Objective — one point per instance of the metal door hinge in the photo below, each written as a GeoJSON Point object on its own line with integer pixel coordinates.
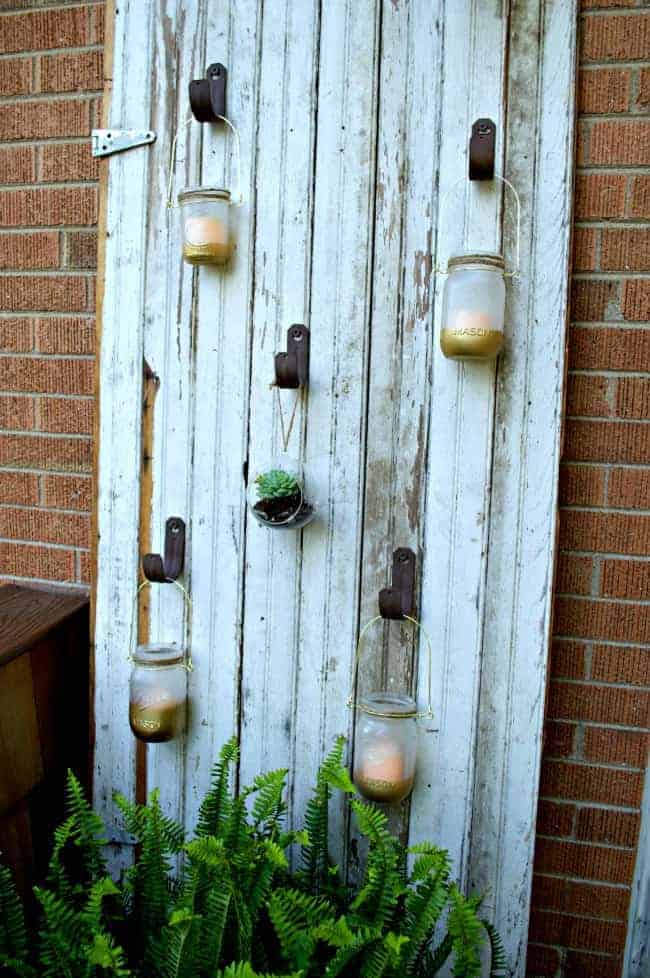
{"type": "Point", "coordinates": [107, 141]}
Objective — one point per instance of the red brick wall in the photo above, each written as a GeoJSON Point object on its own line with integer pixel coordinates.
{"type": "Point", "coordinates": [598, 709]}
{"type": "Point", "coordinates": [596, 734]}
{"type": "Point", "coordinates": [50, 83]}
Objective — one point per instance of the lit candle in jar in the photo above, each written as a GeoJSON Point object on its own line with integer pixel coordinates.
{"type": "Point", "coordinates": [470, 333]}
{"type": "Point", "coordinates": [380, 773]}
{"type": "Point", "coordinates": [207, 236]}
{"type": "Point", "coordinates": [206, 240]}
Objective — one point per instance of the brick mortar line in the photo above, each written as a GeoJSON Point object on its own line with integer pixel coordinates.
{"type": "Point", "coordinates": [595, 418]}
{"type": "Point", "coordinates": [640, 646]}
{"type": "Point", "coordinates": [586, 842]}
{"type": "Point", "coordinates": [38, 508]}
{"type": "Point", "coordinates": [36, 433]}
{"type": "Point", "coordinates": [613, 224]}
{"type": "Point", "coordinates": [35, 355]}
{"type": "Point", "coordinates": [45, 52]}
{"type": "Point", "coordinates": [624, 512]}
{"type": "Point", "coordinates": [47, 185]}
{"type": "Point", "coordinates": [48, 395]}
{"type": "Point", "coordinates": [39, 142]}
{"type": "Point", "coordinates": [610, 955]}
{"type": "Point", "coordinates": [65, 547]}
{"type": "Point", "coordinates": [600, 555]}
{"type": "Point", "coordinates": [613, 169]}
{"type": "Point", "coordinates": [27, 273]}
{"type": "Point", "coordinates": [77, 95]}
{"type": "Point", "coordinates": [611, 276]}
{"type": "Point", "coordinates": [59, 473]}
{"type": "Point", "coordinates": [61, 228]}
{"type": "Point", "coordinates": [631, 374]}
{"type": "Point", "coordinates": [580, 916]}
{"type": "Point", "coordinates": [577, 879]}
{"type": "Point", "coordinates": [625, 115]}
{"type": "Point", "coordinates": [560, 680]}
{"type": "Point", "coordinates": [604, 599]}
{"type": "Point", "coordinates": [601, 806]}
{"type": "Point", "coordinates": [63, 585]}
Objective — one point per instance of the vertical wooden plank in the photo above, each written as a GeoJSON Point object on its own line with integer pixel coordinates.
{"type": "Point", "coordinates": [178, 43]}
{"type": "Point", "coordinates": [339, 316]}
{"type": "Point", "coordinates": [637, 948]}
{"type": "Point", "coordinates": [222, 369]}
{"type": "Point", "coordinates": [460, 443]}
{"type": "Point", "coordinates": [285, 141]}
{"type": "Point", "coordinates": [401, 327]}
{"type": "Point", "coordinates": [539, 162]}
{"type": "Point", "coordinates": [119, 412]}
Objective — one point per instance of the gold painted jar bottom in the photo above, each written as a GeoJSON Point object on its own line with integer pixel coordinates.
{"type": "Point", "coordinates": [388, 792]}
{"type": "Point", "coordinates": [215, 253]}
{"type": "Point", "coordinates": [158, 723]}
{"type": "Point", "coordinates": [469, 342]}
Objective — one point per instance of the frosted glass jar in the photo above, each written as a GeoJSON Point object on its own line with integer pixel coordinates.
{"type": "Point", "coordinates": [157, 693]}
{"type": "Point", "coordinates": [207, 235]}
{"type": "Point", "coordinates": [473, 307]}
{"type": "Point", "coordinates": [385, 747]}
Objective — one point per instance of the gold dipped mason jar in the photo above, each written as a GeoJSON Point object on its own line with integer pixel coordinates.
{"type": "Point", "coordinates": [157, 693]}
{"type": "Point", "coordinates": [473, 307]}
{"type": "Point", "coordinates": [207, 235]}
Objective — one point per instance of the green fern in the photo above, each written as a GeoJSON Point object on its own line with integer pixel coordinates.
{"type": "Point", "coordinates": [315, 854]}
{"type": "Point", "coordinates": [14, 942]}
{"type": "Point", "coordinates": [216, 804]}
{"type": "Point", "coordinates": [466, 933]}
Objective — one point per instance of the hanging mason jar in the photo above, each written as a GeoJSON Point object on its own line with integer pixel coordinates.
{"type": "Point", "coordinates": [157, 693]}
{"type": "Point", "coordinates": [278, 495]}
{"type": "Point", "coordinates": [206, 212]}
{"type": "Point", "coordinates": [207, 237]}
{"type": "Point", "coordinates": [473, 307]}
{"type": "Point", "coordinates": [474, 300]}
{"type": "Point", "coordinates": [385, 745]}
{"type": "Point", "coordinates": [158, 681]}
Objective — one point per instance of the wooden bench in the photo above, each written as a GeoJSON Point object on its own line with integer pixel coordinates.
{"type": "Point", "coordinates": [44, 718]}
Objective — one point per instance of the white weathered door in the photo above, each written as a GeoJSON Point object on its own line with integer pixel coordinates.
{"type": "Point", "coordinates": [354, 118]}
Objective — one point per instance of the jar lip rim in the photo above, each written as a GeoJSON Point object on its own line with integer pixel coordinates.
{"type": "Point", "coordinates": [489, 259]}
{"type": "Point", "coordinates": [391, 705]}
{"type": "Point", "coordinates": [203, 193]}
{"type": "Point", "coordinates": [151, 652]}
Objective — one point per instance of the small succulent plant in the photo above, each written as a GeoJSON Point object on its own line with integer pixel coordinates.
{"type": "Point", "coordinates": [276, 484]}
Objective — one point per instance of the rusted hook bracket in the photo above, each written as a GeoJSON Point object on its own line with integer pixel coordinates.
{"type": "Point", "coordinates": [208, 95]}
{"type": "Point", "coordinates": [292, 367]}
{"type": "Point", "coordinates": [167, 569]}
{"type": "Point", "coordinates": [482, 148]}
{"type": "Point", "coordinates": [398, 600]}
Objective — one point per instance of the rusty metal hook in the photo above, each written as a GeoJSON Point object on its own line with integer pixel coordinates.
{"type": "Point", "coordinates": [398, 600]}
{"type": "Point", "coordinates": [166, 570]}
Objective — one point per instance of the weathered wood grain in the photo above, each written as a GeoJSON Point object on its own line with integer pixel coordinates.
{"type": "Point", "coordinates": [123, 314]}
{"type": "Point", "coordinates": [222, 380]}
{"type": "Point", "coordinates": [339, 316]}
{"type": "Point", "coordinates": [284, 153]}
{"type": "Point", "coordinates": [460, 442]}
{"type": "Point", "coordinates": [354, 120]}
{"type": "Point", "coordinates": [518, 609]}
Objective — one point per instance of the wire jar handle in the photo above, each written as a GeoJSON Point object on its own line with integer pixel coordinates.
{"type": "Point", "coordinates": [352, 698]}
{"type": "Point", "coordinates": [188, 665]}
{"type": "Point", "coordinates": [515, 272]}
{"type": "Point", "coordinates": [238, 198]}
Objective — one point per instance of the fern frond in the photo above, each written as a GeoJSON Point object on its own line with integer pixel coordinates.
{"type": "Point", "coordinates": [216, 804]}
{"type": "Point", "coordinates": [269, 805]}
{"type": "Point", "coordinates": [499, 960]}
{"type": "Point", "coordinates": [382, 888]}
{"type": "Point", "coordinates": [14, 944]}
{"type": "Point", "coordinates": [466, 932]}
{"type": "Point", "coordinates": [315, 854]}
{"type": "Point", "coordinates": [295, 917]}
